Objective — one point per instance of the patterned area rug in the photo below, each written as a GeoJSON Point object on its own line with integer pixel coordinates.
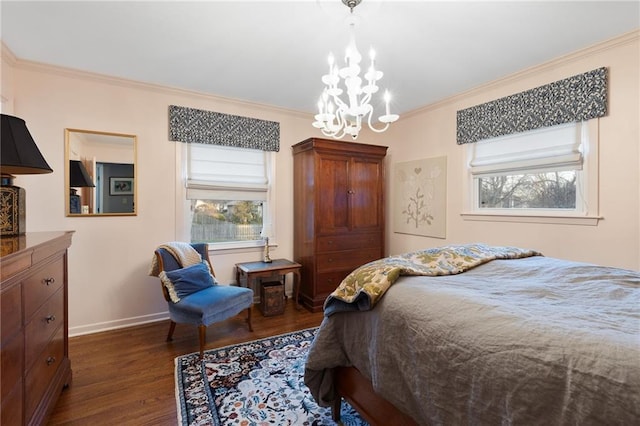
{"type": "Point", "coordinates": [254, 383]}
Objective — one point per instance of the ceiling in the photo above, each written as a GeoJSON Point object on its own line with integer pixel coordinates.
{"type": "Point", "coordinates": [275, 52]}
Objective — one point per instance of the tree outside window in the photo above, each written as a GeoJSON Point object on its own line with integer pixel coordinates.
{"type": "Point", "coordinates": [546, 190]}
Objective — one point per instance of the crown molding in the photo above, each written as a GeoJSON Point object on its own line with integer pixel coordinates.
{"type": "Point", "coordinates": [27, 65]}
{"type": "Point", "coordinates": [11, 59]}
{"type": "Point", "coordinates": [7, 55]}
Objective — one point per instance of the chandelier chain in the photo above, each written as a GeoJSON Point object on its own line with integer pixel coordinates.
{"type": "Point", "coordinates": [351, 4]}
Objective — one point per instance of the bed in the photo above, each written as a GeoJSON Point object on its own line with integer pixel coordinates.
{"type": "Point", "coordinates": [528, 340]}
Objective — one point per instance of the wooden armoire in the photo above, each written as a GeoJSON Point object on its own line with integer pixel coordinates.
{"type": "Point", "coordinates": [338, 212]}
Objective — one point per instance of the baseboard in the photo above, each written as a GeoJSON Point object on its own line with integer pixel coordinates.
{"type": "Point", "coordinates": [114, 325]}
{"type": "Point", "coordinates": [130, 322]}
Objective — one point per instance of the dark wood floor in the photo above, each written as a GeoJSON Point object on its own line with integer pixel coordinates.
{"type": "Point", "coordinates": [126, 376]}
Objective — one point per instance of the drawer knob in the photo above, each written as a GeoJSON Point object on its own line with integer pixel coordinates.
{"type": "Point", "coordinates": [51, 360]}
{"type": "Point", "coordinates": [51, 318]}
{"type": "Point", "coordinates": [49, 281]}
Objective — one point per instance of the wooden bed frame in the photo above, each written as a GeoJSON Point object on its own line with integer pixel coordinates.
{"type": "Point", "coordinates": [357, 390]}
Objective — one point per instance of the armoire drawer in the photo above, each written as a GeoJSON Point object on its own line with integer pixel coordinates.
{"type": "Point", "coordinates": [350, 259]}
{"type": "Point", "coordinates": [328, 281]}
{"type": "Point", "coordinates": [349, 242]}
{"type": "Point", "coordinates": [43, 324]}
{"type": "Point", "coordinates": [41, 373]}
{"type": "Point", "coordinates": [41, 285]}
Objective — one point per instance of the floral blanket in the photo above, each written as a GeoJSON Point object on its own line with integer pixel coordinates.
{"type": "Point", "coordinates": [363, 287]}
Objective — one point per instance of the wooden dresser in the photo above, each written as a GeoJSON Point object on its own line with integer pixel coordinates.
{"type": "Point", "coordinates": [338, 212]}
{"type": "Point", "coordinates": [34, 363]}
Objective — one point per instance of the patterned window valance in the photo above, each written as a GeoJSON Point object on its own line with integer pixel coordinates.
{"type": "Point", "coordinates": [576, 98]}
{"type": "Point", "coordinates": [192, 125]}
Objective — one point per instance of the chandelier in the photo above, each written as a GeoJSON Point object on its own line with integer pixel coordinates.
{"type": "Point", "coordinates": [336, 117]}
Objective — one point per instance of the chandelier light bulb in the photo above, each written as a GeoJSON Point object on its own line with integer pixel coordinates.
{"type": "Point", "coordinates": [337, 117]}
{"type": "Point", "coordinates": [387, 117]}
{"type": "Point", "coordinates": [387, 99]}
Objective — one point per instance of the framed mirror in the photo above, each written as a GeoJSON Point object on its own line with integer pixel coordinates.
{"type": "Point", "coordinates": [100, 173]}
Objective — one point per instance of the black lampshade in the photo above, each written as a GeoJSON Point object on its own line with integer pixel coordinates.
{"type": "Point", "coordinates": [19, 154]}
{"type": "Point", "coordinates": [78, 176]}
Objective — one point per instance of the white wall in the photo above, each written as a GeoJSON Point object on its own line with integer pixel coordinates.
{"type": "Point", "coordinates": [431, 132]}
{"type": "Point", "coordinates": [110, 256]}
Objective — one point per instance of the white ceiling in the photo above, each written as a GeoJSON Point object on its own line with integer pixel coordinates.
{"type": "Point", "coordinates": [274, 52]}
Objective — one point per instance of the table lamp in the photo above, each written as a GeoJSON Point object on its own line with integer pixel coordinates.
{"type": "Point", "coordinates": [19, 155]}
{"type": "Point", "coordinates": [78, 178]}
{"type": "Point", "coordinates": [266, 231]}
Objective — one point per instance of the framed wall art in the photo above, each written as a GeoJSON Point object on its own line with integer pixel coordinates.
{"type": "Point", "coordinates": [121, 186]}
{"type": "Point", "coordinates": [420, 197]}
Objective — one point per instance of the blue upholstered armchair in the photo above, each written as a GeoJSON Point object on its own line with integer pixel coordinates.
{"type": "Point", "coordinates": [201, 302]}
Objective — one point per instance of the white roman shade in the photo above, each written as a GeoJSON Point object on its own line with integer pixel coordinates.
{"type": "Point", "coordinates": [225, 173]}
{"type": "Point", "coordinates": [548, 149]}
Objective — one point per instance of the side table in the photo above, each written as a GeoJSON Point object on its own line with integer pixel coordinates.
{"type": "Point", "coordinates": [252, 270]}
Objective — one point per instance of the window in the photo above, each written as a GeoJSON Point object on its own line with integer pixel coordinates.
{"type": "Point", "coordinates": [227, 191]}
{"type": "Point", "coordinates": [544, 172]}
{"type": "Point", "coordinates": [538, 190]}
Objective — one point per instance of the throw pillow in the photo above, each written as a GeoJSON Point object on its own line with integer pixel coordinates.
{"type": "Point", "coordinates": [185, 281]}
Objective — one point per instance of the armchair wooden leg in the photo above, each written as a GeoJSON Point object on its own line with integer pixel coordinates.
{"type": "Point", "coordinates": [172, 328]}
{"type": "Point", "coordinates": [249, 318]}
{"type": "Point", "coordinates": [202, 331]}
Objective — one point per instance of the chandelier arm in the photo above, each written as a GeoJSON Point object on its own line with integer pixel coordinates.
{"type": "Point", "coordinates": [365, 101]}
{"type": "Point", "coordinates": [340, 112]}
{"type": "Point", "coordinates": [339, 102]}
{"type": "Point", "coordinates": [331, 128]}
{"type": "Point", "coordinates": [386, 126]}
{"type": "Point", "coordinates": [333, 134]}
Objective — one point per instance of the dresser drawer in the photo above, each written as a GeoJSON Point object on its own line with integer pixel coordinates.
{"type": "Point", "coordinates": [11, 411]}
{"type": "Point", "coordinates": [11, 366]}
{"type": "Point", "coordinates": [11, 311]}
{"type": "Point", "coordinates": [41, 285]}
{"type": "Point", "coordinates": [349, 242]}
{"type": "Point", "coordinates": [346, 259]}
{"type": "Point", "coordinates": [41, 373]}
{"type": "Point", "coordinates": [43, 324]}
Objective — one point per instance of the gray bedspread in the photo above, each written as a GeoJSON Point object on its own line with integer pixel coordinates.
{"type": "Point", "coordinates": [534, 341]}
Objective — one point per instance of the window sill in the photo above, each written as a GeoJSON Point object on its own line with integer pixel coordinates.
{"type": "Point", "coordinates": [241, 246]}
{"type": "Point", "coordinates": [559, 220]}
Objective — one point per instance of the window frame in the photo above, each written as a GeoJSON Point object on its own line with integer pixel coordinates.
{"type": "Point", "coordinates": [588, 192]}
{"type": "Point", "coordinates": [183, 205]}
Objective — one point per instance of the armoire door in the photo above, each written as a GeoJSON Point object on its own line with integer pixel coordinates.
{"type": "Point", "coordinates": [366, 201]}
{"type": "Point", "coordinates": [332, 187]}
